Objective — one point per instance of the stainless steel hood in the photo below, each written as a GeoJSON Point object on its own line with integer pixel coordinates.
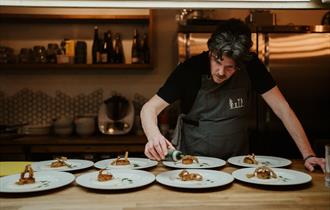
{"type": "Point", "coordinates": [230, 4]}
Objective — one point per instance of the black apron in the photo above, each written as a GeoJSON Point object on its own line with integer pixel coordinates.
{"type": "Point", "coordinates": [216, 125]}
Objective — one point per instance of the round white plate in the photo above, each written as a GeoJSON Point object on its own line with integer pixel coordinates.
{"type": "Point", "coordinates": [76, 164]}
{"type": "Point", "coordinates": [204, 162]}
{"type": "Point", "coordinates": [122, 179]}
{"type": "Point", "coordinates": [135, 163]}
{"type": "Point", "coordinates": [284, 177]}
{"type": "Point", "coordinates": [269, 161]}
{"type": "Point", "coordinates": [45, 180]}
{"type": "Point", "coordinates": [211, 178]}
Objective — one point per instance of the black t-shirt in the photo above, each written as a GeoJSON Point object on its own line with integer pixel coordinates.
{"type": "Point", "coordinates": [185, 81]}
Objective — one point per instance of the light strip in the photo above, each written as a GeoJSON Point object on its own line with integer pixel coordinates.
{"type": "Point", "coordinates": [234, 4]}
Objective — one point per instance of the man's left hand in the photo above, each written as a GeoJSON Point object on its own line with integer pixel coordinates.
{"type": "Point", "coordinates": [310, 163]}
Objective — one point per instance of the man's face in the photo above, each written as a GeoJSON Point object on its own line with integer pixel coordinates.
{"type": "Point", "coordinates": [222, 69]}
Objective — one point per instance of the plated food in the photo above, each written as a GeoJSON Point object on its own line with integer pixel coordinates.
{"type": "Point", "coordinates": [121, 161]}
{"type": "Point", "coordinates": [194, 178]}
{"type": "Point", "coordinates": [133, 163]}
{"type": "Point", "coordinates": [29, 179]}
{"type": "Point", "coordinates": [38, 181]}
{"type": "Point", "coordinates": [201, 162]}
{"type": "Point", "coordinates": [250, 159]}
{"type": "Point", "coordinates": [62, 164]}
{"type": "Point", "coordinates": [186, 176]}
{"type": "Point", "coordinates": [263, 172]}
{"type": "Point", "coordinates": [119, 179]}
{"type": "Point", "coordinates": [104, 175]}
{"type": "Point", "coordinates": [189, 159]}
{"type": "Point", "coordinates": [59, 162]}
{"type": "Point", "coordinates": [271, 176]}
{"type": "Point", "coordinates": [259, 160]}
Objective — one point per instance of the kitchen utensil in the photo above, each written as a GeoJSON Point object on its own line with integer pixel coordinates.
{"type": "Point", "coordinates": [116, 116]}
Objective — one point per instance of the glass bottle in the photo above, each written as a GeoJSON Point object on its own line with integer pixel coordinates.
{"type": "Point", "coordinates": [119, 54]}
{"type": "Point", "coordinates": [104, 49]}
{"type": "Point", "coordinates": [145, 51]}
{"type": "Point", "coordinates": [110, 48]}
{"type": "Point", "coordinates": [135, 48]}
{"type": "Point", "coordinates": [96, 46]}
{"type": "Point", "coordinates": [174, 155]}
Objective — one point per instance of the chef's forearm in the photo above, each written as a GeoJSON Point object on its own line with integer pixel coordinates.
{"type": "Point", "coordinates": [149, 121]}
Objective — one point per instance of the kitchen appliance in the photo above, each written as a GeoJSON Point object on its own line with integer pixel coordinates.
{"type": "Point", "coordinates": [116, 116]}
{"type": "Point", "coordinates": [298, 57]}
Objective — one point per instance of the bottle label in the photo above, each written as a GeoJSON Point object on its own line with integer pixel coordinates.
{"type": "Point", "coordinates": [104, 58]}
{"type": "Point", "coordinates": [135, 59]}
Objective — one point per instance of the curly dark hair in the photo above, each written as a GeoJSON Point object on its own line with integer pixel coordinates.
{"type": "Point", "coordinates": [231, 38]}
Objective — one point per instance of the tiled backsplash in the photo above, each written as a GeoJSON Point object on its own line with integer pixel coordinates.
{"type": "Point", "coordinates": [37, 107]}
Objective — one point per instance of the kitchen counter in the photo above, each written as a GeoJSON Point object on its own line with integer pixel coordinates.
{"type": "Point", "coordinates": [155, 196]}
{"type": "Point", "coordinates": [29, 145]}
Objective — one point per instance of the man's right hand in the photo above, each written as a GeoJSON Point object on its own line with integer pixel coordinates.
{"type": "Point", "coordinates": [157, 148]}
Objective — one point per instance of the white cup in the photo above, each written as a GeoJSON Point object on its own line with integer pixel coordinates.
{"type": "Point", "coordinates": [327, 165]}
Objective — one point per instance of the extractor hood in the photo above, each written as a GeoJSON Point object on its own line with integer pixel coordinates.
{"type": "Point", "coordinates": [230, 4]}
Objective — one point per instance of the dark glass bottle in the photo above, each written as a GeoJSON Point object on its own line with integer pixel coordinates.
{"type": "Point", "coordinates": [104, 49]}
{"type": "Point", "coordinates": [145, 50]}
{"type": "Point", "coordinates": [135, 48]}
{"type": "Point", "coordinates": [174, 155]}
{"type": "Point", "coordinates": [96, 46]}
{"type": "Point", "coordinates": [111, 52]}
{"type": "Point", "coordinates": [119, 53]}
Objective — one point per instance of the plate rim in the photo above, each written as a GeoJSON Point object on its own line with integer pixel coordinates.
{"type": "Point", "coordinates": [77, 180]}
{"type": "Point", "coordinates": [234, 173]}
{"type": "Point", "coordinates": [154, 163]}
{"type": "Point", "coordinates": [223, 163]}
{"type": "Point", "coordinates": [230, 160]}
{"type": "Point", "coordinates": [36, 165]}
{"type": "Point", "coordinates": [71, 179]}
{"type": "Point", "coordinates": [230, 176]}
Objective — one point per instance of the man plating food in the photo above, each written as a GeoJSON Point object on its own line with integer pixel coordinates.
{"type": "Point", "coordinates": [214, 89]}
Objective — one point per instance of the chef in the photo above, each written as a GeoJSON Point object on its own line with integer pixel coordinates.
{"type": "Point", "coordinates": [214, 89]}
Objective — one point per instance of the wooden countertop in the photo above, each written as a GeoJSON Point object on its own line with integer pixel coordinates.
{"type": "Point", "coordinates": [237, 195]}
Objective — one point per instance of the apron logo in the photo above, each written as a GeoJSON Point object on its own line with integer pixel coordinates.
{"type": "Point", "coordinates": [236, 103]}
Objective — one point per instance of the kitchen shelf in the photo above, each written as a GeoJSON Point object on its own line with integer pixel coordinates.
{"type": "Point", "coordinates": [125, 20]}
{"type": "Point", "coordinates": [22, 67]}
{"type": "Point", "coordinates": [74, 18]}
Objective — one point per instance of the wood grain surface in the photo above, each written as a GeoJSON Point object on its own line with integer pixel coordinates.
{"type": "Point", "coordinates": [234, 196]}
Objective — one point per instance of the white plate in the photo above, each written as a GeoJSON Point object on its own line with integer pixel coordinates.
{"type": "Point", "coordinates": [45, 180]}
{"type": "Point", "coordinates": [284, 177]}
{"type": "Point", "coordinates": [204, 162]}
{"type": "Point", "coordinates": [262, 161]}
{"type": "Point", "coordinates": [76, 164]}
{"type": "Point", "coordinates": [211, 178]}
{"type": "Point", "coordinates": [135, 163]}
{"type": "Point", "coordinates": [122, 179]}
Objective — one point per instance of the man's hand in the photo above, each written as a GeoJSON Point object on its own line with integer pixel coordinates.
{"type": "Point", "coordinates": [157, 148]}
{"type": "Point", "coordinates": [315, 161]}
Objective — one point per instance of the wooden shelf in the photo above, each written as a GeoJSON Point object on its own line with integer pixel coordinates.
{"type": "Point", "coordinates": [110, 67]}
{"type": "Point", "coordinates": [74, 18]}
